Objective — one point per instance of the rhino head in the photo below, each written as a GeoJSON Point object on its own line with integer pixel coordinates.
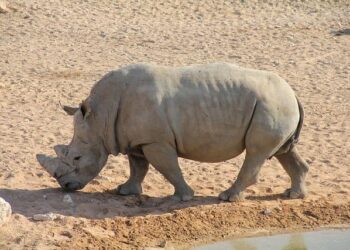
{"type": "Point", "coordinates": [79, 162]}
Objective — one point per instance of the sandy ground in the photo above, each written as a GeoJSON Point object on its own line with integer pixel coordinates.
{"type": "Point", "coordinates": [53, 51]}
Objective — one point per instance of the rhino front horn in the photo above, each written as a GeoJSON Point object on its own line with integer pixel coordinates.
{"type": "Point", "coordinates": [47, 163]}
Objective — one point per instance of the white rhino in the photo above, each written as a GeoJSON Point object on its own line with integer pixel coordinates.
{"type": "Point", "coordinates": [207, 113]}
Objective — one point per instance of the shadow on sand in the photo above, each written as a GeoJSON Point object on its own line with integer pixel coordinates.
{"type": "Point", "coordinates": [100, 205]}
{"type": "Point", "coordinates": [342, 32]}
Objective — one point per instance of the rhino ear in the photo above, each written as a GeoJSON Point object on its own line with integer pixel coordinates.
{"type": "Point", "coordinates": [70, 110]}
{"type": "Point", "coordinates": [85, 109]}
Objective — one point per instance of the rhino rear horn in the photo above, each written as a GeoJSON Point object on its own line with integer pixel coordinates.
{"type": "Point", "coordinates": [61, 150]}
{"type": "Point", "coordinates": [47, 163]}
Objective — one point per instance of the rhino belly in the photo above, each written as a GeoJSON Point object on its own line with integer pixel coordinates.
{"type": "Point", "coordinates": [220, 149]}
{"type": "Point", "coordinates": [212, 147]}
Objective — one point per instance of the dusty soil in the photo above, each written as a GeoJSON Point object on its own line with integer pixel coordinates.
{"type": "Point", "coordinates": [53, 51]}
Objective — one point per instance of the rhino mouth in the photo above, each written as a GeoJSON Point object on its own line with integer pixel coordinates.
{"type": "Point", "coordinates": [70, 186]}
{"type": "Point", "coordinates": [67, 184]}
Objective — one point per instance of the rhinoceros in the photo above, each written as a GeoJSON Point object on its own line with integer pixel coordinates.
{"type": "Point", "coordinates": [206, 113]}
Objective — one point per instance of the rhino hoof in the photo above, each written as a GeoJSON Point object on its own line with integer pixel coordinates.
{"type": "Point", "coordinates": [129, 189]}
{"type": "Point", "coordinates": [185, 196]}
{"type": "Point", "coordinates": [229, 195]}
{"type": "Point", "coordinates": [293, 194]}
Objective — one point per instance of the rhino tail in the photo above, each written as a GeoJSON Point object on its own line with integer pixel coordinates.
{"type": "Point", "coordinates": [290, 143]}
{"type": "Point", "coordinates": [301, 121]}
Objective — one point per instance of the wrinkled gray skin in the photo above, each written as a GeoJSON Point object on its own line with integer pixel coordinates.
{"type": "Point", "coordinates": [207, 113]}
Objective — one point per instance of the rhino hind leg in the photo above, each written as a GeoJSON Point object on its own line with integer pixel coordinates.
{"type": "Point", "coordinates": [247, 176]}
{"type": "Point", "coordinates": [297, 169]}
{"type": "Point", "coordinates": [138, 169]}
{"type": "Point", "coordinates": [261, 140]}
{"type": "Point", "coordinates": [163, 157]}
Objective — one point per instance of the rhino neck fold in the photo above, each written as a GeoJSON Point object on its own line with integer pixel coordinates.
{"type": "Point", "coordinates": [107, 95]}
{"type": "Point", "coordinates": [110, 136]}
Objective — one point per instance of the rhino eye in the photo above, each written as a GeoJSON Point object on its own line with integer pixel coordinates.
{"type": "Point", "coordinates": [77, 158]}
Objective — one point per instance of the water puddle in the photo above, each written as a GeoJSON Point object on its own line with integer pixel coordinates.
{"type": "Point", "coordinates": [337, 239]}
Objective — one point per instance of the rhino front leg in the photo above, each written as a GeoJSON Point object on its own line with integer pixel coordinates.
{"type": "Point", "coordinates": [138, 170]}
{"type": "Point", "coordinates": [164, 158]}
{"type": "Point", "coordinates": [297, 169]}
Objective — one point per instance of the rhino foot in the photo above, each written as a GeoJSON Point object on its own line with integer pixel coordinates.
{"type": "Point", "coordinates": [183, 195]}
{"type": "Point", "coordinates": [231, 195]}
{"type": "Point", "coordinates": [129, 188]}
{"type": "Point", "coordinates": [294, 194]}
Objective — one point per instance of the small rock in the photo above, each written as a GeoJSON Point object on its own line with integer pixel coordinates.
{"type": "Point", "coordinates": [67, 234]}
{"type": "Point", "coordinates": [128, 223]}
{"type": "Point", "coordinates": [17, 216]}
{"type": "Point", "coordinates": [41, 174]}
{"type": "Point", "coordinates": [292, 62]}
{"type": "Point", "coordinates": [3, 7]}
{"type": "Point", "coordinates": [5, 211]}
{"type": "Point", "coordinates": [311, 214]}
{"type": "Point", "coordinates": [19, 239]}
{"type": "Point", "coordinates": [267, 211]}
{"type": "Point", "coordinates": [278, 209]}
{"type": "Point", "coordinates": [165, 245]}
{"type": "Point", "coordinates": [103, 178]}
{"type": "Point", "coordinates": [67, 199]}
{"type": "Point", "coordinates": [44, 217]}
{"type": "Point", "coordinates": [269, 190]}
{"type": "Point", "coordinates": [95, 182]}
{"type": "Point", "coordinates": [289, 24]}
{"type": "Point", "coordinates": [9, 176]}
{"type": "Point", "coordinates": [275, 63]}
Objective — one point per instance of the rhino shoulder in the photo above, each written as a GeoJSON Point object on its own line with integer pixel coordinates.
{"type": "Point", "coordinates": [139, 71]}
